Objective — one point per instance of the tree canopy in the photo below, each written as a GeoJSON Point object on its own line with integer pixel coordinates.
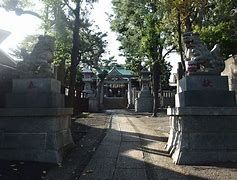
{"type": "Point", "coordinates": [211, 19]}
{"type": "Point", "coordinates": [144, 38]}
{"type": "Point", "coordinates": [67, 21]}
{"type": "Point", "coordinates": [149, 30]}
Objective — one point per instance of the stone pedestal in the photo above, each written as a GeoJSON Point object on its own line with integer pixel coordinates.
{"type": "Point", "coordinates": [93, 104]}
{"type": "Point", "coordinates": [144, 102]}
{"type": "Point", "coordinates": [204, 91]}
{"type": "Point", "coordinates": [203, 123]}
{"type": "Point", "coordinates": [203, 135]}
{"type": "Point", "coordinates": [35, 126]}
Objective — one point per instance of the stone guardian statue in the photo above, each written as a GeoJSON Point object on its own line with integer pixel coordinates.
{"type": "Point", "coordinates": [37, 64]}
{"type": "Point", "coordinates": [200, 59]}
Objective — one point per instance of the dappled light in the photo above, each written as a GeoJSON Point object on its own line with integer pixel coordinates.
{"type": "Point", "coordinates": [118, 89]}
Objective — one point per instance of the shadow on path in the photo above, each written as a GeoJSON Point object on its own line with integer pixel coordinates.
{"type": "Point", "coordinates": [87, 139]}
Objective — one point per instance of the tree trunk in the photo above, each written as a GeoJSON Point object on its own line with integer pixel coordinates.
{"type": "Point", "coordinates": [99, 95]}
{"type": "Point", "coordinates": [188, 24]}
{"type": "Point", "coordinates": [156, 85]}
{"type": "Point", "coordinates": [74, 56]}
{"type": "Point", "coordinates": [180, 44]}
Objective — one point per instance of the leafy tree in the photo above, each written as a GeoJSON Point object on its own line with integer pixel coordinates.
{"type": "Point", "coordinates": [180, 15]}
{"type": "Point", "coordinates": [107, 62]}
{"type": "Point", "coordinates": [211, 19]}
{"type": "Point", "coordinates": [67, 21]}
{"type": "Point", "coordinates": [219, 27]}
{"type": "Point", "coordinates": [26, 45]}
{"type": "Point", "coordinates": [143, 37]}
{"type": "Point", "coordinates": [92, 47]}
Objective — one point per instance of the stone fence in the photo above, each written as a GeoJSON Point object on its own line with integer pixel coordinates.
{"type": "Point", "coordinates": [167, 98]}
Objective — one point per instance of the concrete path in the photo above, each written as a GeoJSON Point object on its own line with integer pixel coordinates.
{"type": "Point", "coordinates": [134, 148]}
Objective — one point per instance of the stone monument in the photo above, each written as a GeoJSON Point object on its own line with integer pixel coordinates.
{"type": "Point", "coordinates": [34, 125]}
{"type": "Point", "coordinates": [203, 122]}
{"type": "Point", "coordinates": [144, 101]}
{"type": "Point", "coordinates": [90, 94]}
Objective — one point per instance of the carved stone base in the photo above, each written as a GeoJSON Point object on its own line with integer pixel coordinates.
{"type": "Point", "coordinates": [93, 104]}
{"type": "Point", "coordinates": [203, 135]}
{"type": "Point", "coordinates": [35, 134]}
{"type": "Point", "coordinates": [144, 102]}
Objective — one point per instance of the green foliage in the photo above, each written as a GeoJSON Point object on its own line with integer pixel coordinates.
{"type": "Point", "coordinates": [107, 62]}
{"type": "Point", "coordinates": [218, 26]}
{"type": "Point", "coordinates": [92, 47]}
{"type": "Point", "coordinates": [209, 18]}
{"type": "Point", "coordinates": [166, 72]}
{"type": "Point", "coordinates": [102, 75]}
{"type": "Point", "coordinates": [142, 33]}
{"type": "Point", "coordinates": [11, 5]}
{"type": "Point", "coordinates": [57, 20]}
{"type": "Point", "coordinates": [222, 34]}
{"type": "Point", "coordinates": [27, 44]}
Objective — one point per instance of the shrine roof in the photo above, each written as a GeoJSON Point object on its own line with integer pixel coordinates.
{"type": "Point", "coordinates": [118, 70]}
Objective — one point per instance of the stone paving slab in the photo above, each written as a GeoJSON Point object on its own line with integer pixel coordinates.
{"type": "Point", "coordinates": [99, 168]}
{"type": "Point", "coordinates": [130, 174]}
{"type": "Point", "coordinates": [129, 162]}
{"type": "Point", "coordinates": [130, 156]}
{"type": "Point", "coordinates": [119, 155]}
{"type": "Point", "coordinates": [107, 151]}
{"type": "Point", "coordinates": [112, 139]}
{"type": "Point", "coordinates": [130, 137]}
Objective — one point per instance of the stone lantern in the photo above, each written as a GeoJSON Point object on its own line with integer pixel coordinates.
{"type": "Point", "coordinates": [145, 79]}
{"type": "Point", "coordinates": [144, 101]}
{"type": "Point", "coordinates": [89, 93]}
{"type": "Point", "coordinates": [88, 79]}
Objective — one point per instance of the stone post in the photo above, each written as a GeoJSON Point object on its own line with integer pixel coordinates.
{"type": "Point", "coordinates": [102, 94]}
{"type": "Point", "coordinates": [130, 104]}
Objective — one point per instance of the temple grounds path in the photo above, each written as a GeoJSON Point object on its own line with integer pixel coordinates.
{"type": "Point", "coordinates": [117, 145]}
{"type": "Point", "coordinates": [134, 148]}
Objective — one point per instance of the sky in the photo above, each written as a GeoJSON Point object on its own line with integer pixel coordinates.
{"type": "Point", "coordinates": [18, 26]}
{"type": "Point", "coordinates": [100, 15]}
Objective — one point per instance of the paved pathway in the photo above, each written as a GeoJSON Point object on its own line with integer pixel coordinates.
{"type": "Point", "coordinates": [134, 148]}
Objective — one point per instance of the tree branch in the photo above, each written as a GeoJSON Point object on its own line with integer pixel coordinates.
{"type": "Point", "coordinates": [67, 4]}
{"type": "Point", "coordinates": [169, 51]}
{"type": "Point", "coordinates": [20, 12]}
{"type": "Point", "coordinates": [194, 17]}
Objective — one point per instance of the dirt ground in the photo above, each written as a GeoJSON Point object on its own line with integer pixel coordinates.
{"type": "Point", "coordinates": [87, 133]}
